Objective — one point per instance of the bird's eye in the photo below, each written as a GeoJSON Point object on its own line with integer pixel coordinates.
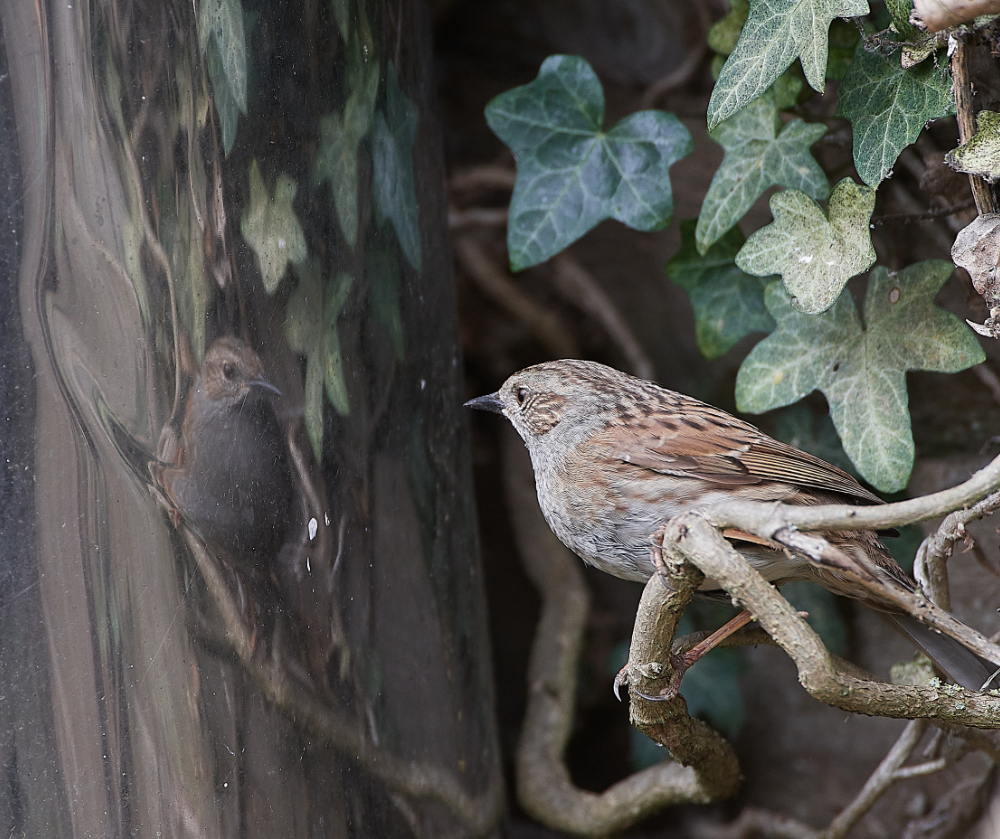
{"type": "Point", "coordinates": [228, 371]}
{"type": "Point", "coordinates": [522, 395]}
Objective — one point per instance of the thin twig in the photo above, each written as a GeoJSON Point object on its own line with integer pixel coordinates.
{"type": "Point", "coordinates": [988, 379]}
{"type": "Point", "coordinates": [493, 176]}
{"type": "Point", "coordinates": [494, 282]}
{"type": "Point", "coordinates": [578, 285]}
{"type": "Point", "coordinates": [691, 537]}
{"type": "Point", "coordinates": [680, 77]}
{"type": "Point", "coordinates": [477, 217]}
{"type": "Point", "coordinates": [929, 215]}
{"type": "Point", "coordinates": [966, 116]}
{"type": "Point", "coordinates": [885, 775]}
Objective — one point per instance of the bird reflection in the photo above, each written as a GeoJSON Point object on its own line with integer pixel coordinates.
{"type": "Point", "coordinates": [225, 471]}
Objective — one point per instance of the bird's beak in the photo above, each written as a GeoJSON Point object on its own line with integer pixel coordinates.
{"type": "Point", "coordinates": [490, 402]}
{"type": "Point", "coordinates": [260, 381]}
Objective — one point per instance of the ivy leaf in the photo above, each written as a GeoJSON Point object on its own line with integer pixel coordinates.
{"type": "Point", "coordinates": [776, 33]}
{"type": "Point", "coordinates": [223, 21]}
{"type": "Point", "coordinates": [814, 254]}
{"type": "Point", "coordinates": [980, 154]}
{"type": "Point", "coordinates": [271, 227]}
{"type": "Point", "coordinates": [888, 106]}
{"type": "Point", "coordinates": [725, 33]}
{"type": "Point", "coordinates": [222, 95]}
{"type": "Point", "coordinates": [340, 138]}
{"type": "Point", "coordinates": [861, 367]}
{"type": "Point", "coordinates": [758, 156]}
{"type": "Point", "coordinates": [727, 303]}
{"type": "Point", "coordinates": [311, 325]}
{"type": "Point", "coordinates": [222, 40]}
{"type": "Point", "coordinates": [570, 173]}
{"type": "Point", "coordinates": [393, 185]}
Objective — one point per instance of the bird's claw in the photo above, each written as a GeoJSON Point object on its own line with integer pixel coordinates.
{"type": "Point", "coordinates": [620, 681]}
{"type": "Point", "coordinates": [657, 556]}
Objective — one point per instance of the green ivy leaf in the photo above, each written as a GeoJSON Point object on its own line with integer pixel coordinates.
{"type": "Point", "coordinates": [311, 325]}
{"type": "Point", "coordinates": [888, 106]}
{"type": "Point", "coordinates": [776, 33]}
{"type": "Point", "coordinates": [843, 40]}
{"type": "Point", "coordinates": [340, 138]}
{"type": "Point", "coordinates": [570, 173]}
{"type": "Point", "coordinates": [814, 254]}
{"type": "Point", "coordinates": [222, 40]}
{"type": "Point", "coordinates": [861, 368]}
{"type": "Point", "coordinates": [899, 11]}
{"type": "Point", "coordinates": [271, 227]}
{"type": "Point", "coordinates": [727, 303]}
{"type": "Point", "coordinates": [393, 185]}
{"type": "Point", "coordinates": [980, 154]}
{"type": "Point", "coordinates": [758, 156]}
{"type": "Point", "coordinates": [724, 34]}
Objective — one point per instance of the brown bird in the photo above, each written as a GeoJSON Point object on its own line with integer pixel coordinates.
{"type": "Point", "coordinates": [227, 472]}
{"type": "Point", "coordinates": [615, 457]}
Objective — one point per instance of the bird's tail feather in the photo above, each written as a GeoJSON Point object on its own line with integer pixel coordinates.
{"type": "Point", "coordinates": [960, 663]}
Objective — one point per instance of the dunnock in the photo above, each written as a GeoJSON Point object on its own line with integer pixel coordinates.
{"type": "Point", "coordinates": [227, 474]}
{"type": "Point", "coordinates": [615, 457]}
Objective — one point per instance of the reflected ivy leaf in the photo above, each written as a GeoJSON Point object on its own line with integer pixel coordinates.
{"type": "Point", "coordinates": [393, 184]}
{"type": "Point", "coordinates": [222, 94]}
{"type": "Point", "coordinates": [342, 14]}
{"type": "Point", "coordinates": [222, 40]}
{"type": "Point", "coordinates": [311, 326]}
{"type": "Point", "coordinates": [340, 138]}
{"type": "Point", "coordinates": [384, 279]}
{"type": "Point", "coordinates": [271, 227]}
{"type": "Point", "coordinates": [333, 369]}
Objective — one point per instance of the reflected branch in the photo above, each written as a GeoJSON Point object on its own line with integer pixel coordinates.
{"type": "Point", "coordinates": [412, 778]}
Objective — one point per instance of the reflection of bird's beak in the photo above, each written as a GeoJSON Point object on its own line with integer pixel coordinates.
{"type": "Point", "coordinates": [491, 402]}
{"type": "Point", "coordinates": [260, 381]}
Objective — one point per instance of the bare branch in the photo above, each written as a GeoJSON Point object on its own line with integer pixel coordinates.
{"type": "Point", "coordinates": [885, 775]}
{"type": "Point", "coordinates": [747, 515]}
{"type": "Point", "coordinates": [414, 779]}
{"type": "Point", "coordinates": [493, 176]}
{"type": "Point", "coordinates": [692, 537]}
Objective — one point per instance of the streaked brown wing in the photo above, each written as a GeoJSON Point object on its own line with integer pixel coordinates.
{"type": "Point", "coordinates": [690, 439]}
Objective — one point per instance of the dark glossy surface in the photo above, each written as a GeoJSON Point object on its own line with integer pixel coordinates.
{"type": "Point", "coordinates": [242, 587]}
